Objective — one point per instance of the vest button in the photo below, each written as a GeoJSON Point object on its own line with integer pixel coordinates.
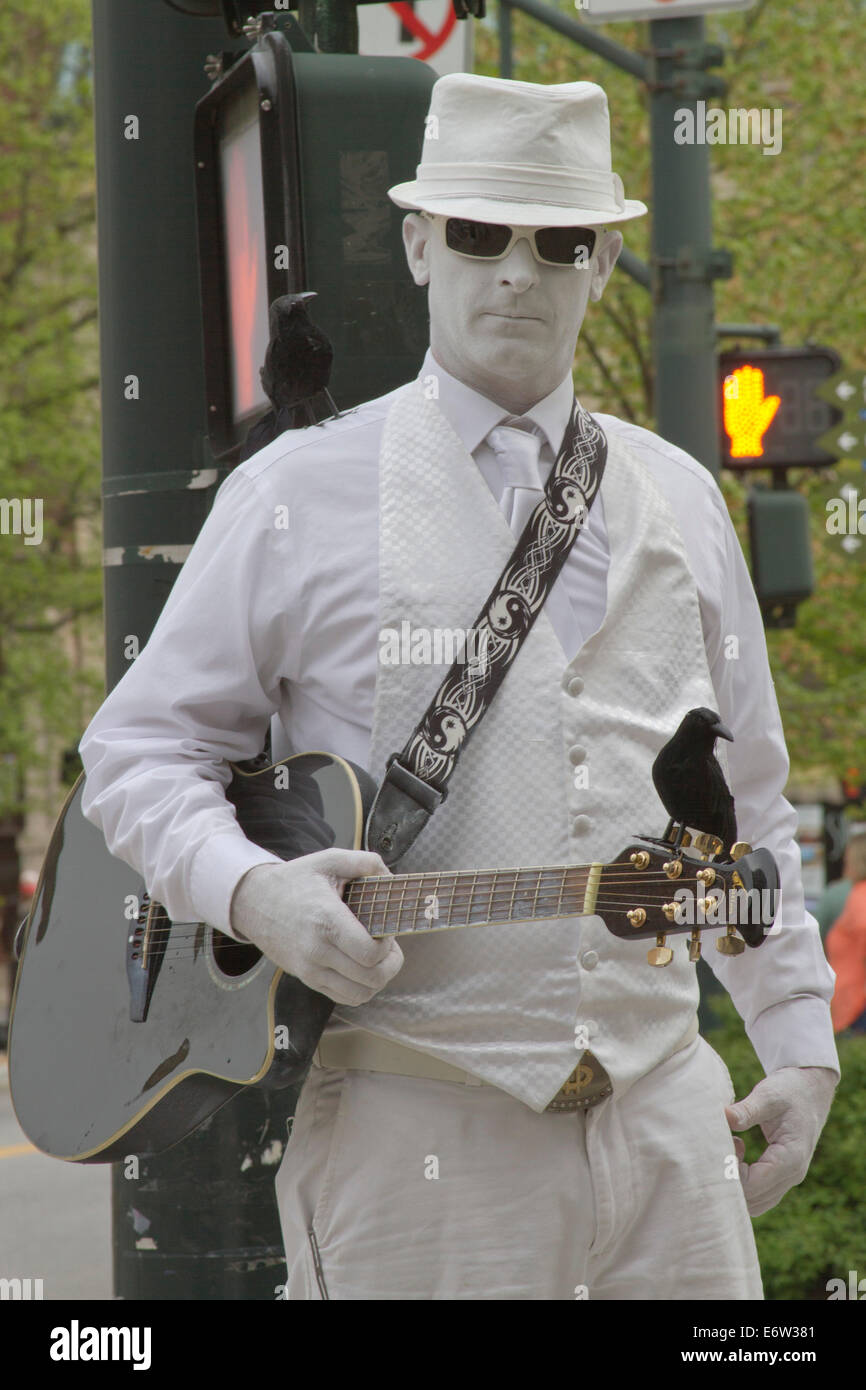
{"type": "Point", "coordinates": [580, 825]}
{"type": "Point", "coordinates": [589, 960]}
{"type": "Point", "coordinates": [577, 754]}
{"type": "Point", "coordinates": [575, 685]}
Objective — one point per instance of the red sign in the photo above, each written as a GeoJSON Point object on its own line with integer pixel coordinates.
{"type": "Point", "coordinates": [429, 40]}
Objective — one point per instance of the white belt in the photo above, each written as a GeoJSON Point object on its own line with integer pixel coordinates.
{"type": "Point", "coordinates": [356, 1049]}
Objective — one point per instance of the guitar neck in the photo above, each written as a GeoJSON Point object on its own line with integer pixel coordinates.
{"type": "Point", "coordinates": [403, 903]}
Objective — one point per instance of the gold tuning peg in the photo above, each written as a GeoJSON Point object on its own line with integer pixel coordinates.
{"type": "Point", "coordinates": [660, 954]}
{"type": "Point", "coordinates": [706, 876]}
{"type": "Point", "coordinates": [695, 946]}
{"type": "Point", "coordinates": [637, 916]}
{"type": "Point", "coordinates": [673, 868]}
{"type": "Point", "coordinates": [707, 845]}
{"type": "Point", "coordinates": [740, 849]}
{"type": "Point", "coordinates": [730, 945]}
{"type": "Point", "coordinates": [640, 859]}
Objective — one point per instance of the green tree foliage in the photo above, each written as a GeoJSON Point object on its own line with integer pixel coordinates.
{"type": "Point", "coordinates": [49, 442]}
{"type": "Point", "coordinates": [794, 222]}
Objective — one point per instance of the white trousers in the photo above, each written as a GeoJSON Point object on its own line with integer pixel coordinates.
{"type": "Point", "coordinates": [398, 1188]}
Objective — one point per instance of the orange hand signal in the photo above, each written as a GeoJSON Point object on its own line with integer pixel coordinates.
{"type": "Point", "coordinates": [748, 412]}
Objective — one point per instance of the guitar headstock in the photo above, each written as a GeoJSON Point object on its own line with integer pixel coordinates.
{"type": "Point", "coordinates": [653, 889]}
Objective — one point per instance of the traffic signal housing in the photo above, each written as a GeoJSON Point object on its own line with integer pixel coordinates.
{"type": "Point", "coordinates": [781, 552]}
{"type": "Point", "coordinates": [295, 151]}
{"type": "Point", "coordinates": [770, 415]}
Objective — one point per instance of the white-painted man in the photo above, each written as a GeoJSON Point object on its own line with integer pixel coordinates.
{"type": "Point", "coordinates": [432, 1156]}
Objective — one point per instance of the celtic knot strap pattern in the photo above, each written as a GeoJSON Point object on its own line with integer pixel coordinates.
{"type": "Point", "coordinates": [514, 604]}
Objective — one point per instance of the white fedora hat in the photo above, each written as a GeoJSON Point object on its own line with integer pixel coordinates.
{"type": "Point", "coordinates": [520, 152]}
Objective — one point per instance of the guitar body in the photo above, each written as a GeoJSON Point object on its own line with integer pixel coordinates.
{"type": "Point", "coordinates": [128, 1030]}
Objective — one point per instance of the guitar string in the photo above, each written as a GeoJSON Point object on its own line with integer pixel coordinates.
{"type": "Point", "coordinates": [641, 935]}
{"type": "Point", "coordinates": [379, 930]}
{"type": "Point", "coordinates": [460, 897]}
{"type": "Point", "coordinates": [361, 897]}
{"type": "Point", "coordinates": [628, 876]}
{"type": "Point", "coordinates": [357, 896]}
{"type": "Point", "coordinates": [461, 894]}
{"type": "Point", "coordinates": [646, 934]}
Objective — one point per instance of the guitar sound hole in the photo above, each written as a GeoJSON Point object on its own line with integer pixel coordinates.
{"type": "Point", "coordinates": [234, 957]}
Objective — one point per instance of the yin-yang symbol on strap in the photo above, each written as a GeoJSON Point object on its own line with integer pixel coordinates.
{"type": "Point", "coordinates": [445, 730]}
{"type": "Point", "coordinates": [509, 616]}
{"type": "Point", "coordinates": [566, 501]}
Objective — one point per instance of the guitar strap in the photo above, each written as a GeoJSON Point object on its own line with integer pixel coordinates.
{"type": "Point", "coordinates": [416, 778]}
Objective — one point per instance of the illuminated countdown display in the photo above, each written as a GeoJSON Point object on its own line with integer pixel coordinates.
{"type": "Point", "coordinates": [770, 416]}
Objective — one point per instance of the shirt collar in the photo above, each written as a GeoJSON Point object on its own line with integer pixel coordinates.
{"type": "Point", "coordinates": [473, 416]}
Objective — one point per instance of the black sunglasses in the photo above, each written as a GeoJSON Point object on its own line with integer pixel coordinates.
{"type": "Point", "coordinates": [490, 241]}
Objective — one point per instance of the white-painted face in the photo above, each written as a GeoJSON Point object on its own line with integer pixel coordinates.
{"type": "Point", "coordinates": [506, 328]}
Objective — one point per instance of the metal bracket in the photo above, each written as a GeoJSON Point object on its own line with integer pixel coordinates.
{"type": "Point", "coordinates": [717, 263]}
{"type": "Point", "coordinates": [690, 54]}
{"type": "Point", "coordinates": [769, 332]}
{"type": "Point", "coordinates": [692, 58]}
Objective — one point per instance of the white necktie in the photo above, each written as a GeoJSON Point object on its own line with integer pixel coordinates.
{"type": "Point", "coordinates": [518, 446]}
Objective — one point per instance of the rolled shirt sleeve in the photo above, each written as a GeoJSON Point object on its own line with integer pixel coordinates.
{"type": "Point", "coordinates": [198, 696]}
{"type": "Point", "coordinates": [783, 990]}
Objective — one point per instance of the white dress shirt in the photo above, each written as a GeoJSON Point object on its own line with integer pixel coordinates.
{"type": "Point", "coordinates": [275, 613]}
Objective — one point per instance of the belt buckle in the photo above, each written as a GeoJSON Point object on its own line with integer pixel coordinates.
{"type": "Point", "coordinates": [573, 1093]}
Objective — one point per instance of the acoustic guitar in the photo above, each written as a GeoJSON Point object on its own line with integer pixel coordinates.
{"type": "Point", "coordinates": [128, 1030]}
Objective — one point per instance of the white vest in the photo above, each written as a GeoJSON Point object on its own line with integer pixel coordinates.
{"type": "Point", "coordinates": [503, 1001]}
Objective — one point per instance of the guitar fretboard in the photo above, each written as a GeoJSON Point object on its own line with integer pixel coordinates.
{"type": "Point", "coordinates": [434, 902]}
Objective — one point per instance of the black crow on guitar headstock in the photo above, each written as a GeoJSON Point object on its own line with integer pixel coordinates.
{"type": "Point", "coordinates": [690, 781]}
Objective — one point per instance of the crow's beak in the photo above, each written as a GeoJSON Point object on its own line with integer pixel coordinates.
{"type": "Point", "coordinates": [722, 731]}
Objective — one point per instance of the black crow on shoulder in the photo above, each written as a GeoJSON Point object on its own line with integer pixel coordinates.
{"type": "Point", "coordinates": [297, 368]}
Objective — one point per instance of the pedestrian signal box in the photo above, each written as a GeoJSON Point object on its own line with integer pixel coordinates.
{"type": "Point", "coordinates": [782, 570]}
{"type": "Point", "coordinates": [295, 151]}
{"type": "Point", "coordinates": [770, 415]}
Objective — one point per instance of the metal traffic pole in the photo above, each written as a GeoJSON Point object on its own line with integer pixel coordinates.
{"type": "Point", "coordinates": [200, 1221]}
{"type": "Point", "coordinates": [684, 263]}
